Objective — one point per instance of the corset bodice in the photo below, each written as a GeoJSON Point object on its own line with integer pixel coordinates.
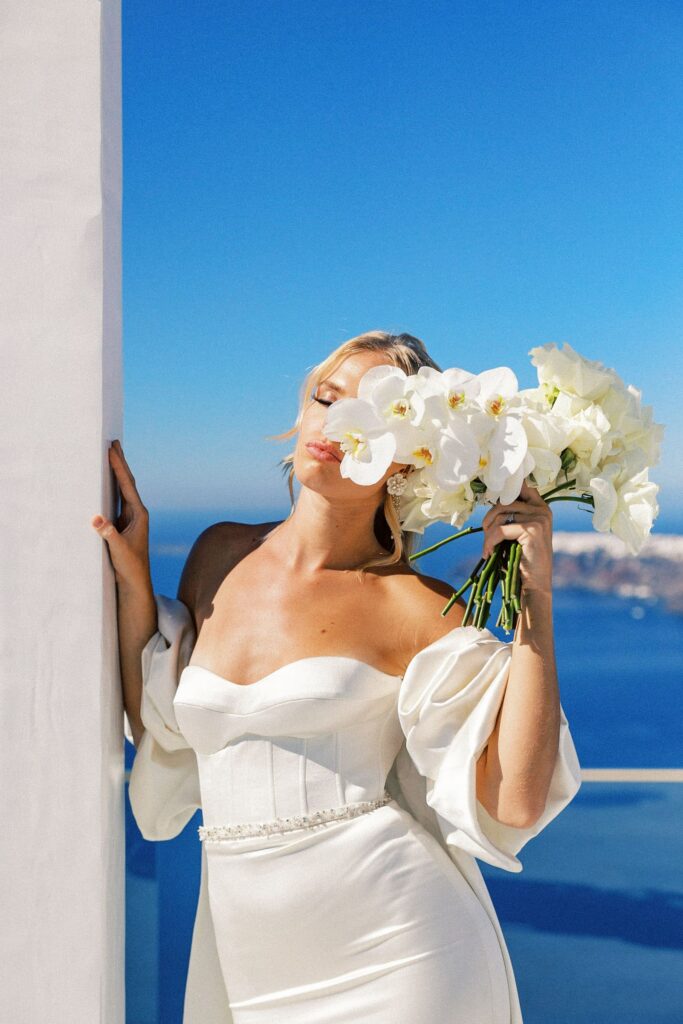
{"type": "Point", "coordinates": [317, 733]}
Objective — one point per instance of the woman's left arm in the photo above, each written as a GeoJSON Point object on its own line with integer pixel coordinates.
{"type": "Point", "coordinates": [514, 776]}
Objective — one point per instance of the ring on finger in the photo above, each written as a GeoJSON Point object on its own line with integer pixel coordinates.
{"type": "Point", "coordinates": [510, 517]}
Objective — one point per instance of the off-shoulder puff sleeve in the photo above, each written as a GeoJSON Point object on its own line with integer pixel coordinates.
{"type": "Point", "coordinates": [164, 780]}
{"type": "Point", "coordinates": [448, 703]}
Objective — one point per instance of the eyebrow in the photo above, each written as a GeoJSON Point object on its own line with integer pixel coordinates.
{"type": "Point", "coordinates": [332, 384]}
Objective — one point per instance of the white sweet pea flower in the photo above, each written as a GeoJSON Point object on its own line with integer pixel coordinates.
{"type": "Point", "coordinates": [413, 502]}
{"type": "Point", "coordinates": [531, 398]}
{"type": "Point", "coordinates": [589, 442]}
{"type": "Point", "coordinates": [368, 446]}
{"type": "Point", "coordinates": [647, 436]}
{"type": "Point", "coordinates": [454, 507]}
{"type": "Point", "coordinates": [631, 425]}
{"type": "Point", "coordinates": [621, 406]}
{"type": "Point", "coordinates": [625, 505]}
{"type": "Point", "coordinates": [565, 370]}
{"type": "Point", "coordinates": [568, 405]}
{"type": "Point", "coordinates": [547, 437]}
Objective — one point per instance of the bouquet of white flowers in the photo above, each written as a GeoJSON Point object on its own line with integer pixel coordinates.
{"type": "Point", "coordinates": [475, 438]}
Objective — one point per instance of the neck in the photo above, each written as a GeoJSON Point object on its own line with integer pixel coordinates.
{"type": "Point", "coordinates": [320, 534]}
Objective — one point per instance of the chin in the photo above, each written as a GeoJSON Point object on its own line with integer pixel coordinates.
{"type": "Point", "coordinates": [323, 477]}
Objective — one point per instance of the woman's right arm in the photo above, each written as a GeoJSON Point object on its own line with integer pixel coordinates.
{"type": "Point", "coordinates": [128, 544]}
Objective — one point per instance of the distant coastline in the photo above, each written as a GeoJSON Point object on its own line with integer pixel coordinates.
{"type": "Point", "coordinates": [600, 563]}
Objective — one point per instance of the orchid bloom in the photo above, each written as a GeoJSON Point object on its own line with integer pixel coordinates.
{"type": "Point", "coordinates": [368, 446]}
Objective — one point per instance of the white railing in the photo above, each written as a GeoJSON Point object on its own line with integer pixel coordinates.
{"type": "Point", "coordinates": [613, 775]}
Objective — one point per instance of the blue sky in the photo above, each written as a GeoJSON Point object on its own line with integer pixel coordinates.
{"type": "Point", "coordinates": [487, 176]}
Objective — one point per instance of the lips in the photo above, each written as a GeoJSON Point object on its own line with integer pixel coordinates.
{"type": "Point", "coordinates": [321, 446]}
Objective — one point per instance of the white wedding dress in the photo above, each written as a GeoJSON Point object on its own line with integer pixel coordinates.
{"type": "Point", "coordinates": [383, 917]}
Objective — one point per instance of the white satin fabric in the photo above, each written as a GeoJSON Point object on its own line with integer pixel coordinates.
{"type": "Point", "coordinates": [385, 917]}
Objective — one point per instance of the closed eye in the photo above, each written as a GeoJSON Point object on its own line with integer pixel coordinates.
{"type": "Point", "coordinates": [321, 400]}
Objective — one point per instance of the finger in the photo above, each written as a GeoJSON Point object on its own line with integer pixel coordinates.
{"type": "Point", "coordinates": [117, 451]}
{"type": "Point", "coordinates": [532, 528]}
{"type": "Point", "coordinates": [504, 531]}
{"type": "Point", "coordinates": [531, 494]}
{"type": "Point", "coordinates": [125, 478]}
{"type": "Point", "coordinates": [116, 445]}
{"type": "Point", "coordinates": [104, 527]}
{"type": "Point", "coordinates": [518, 507]}
{"type": "Point", "coordinates": [532, 522]}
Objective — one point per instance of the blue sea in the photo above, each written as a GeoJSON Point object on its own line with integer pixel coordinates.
{"type": "Point", "coordinates": [594, 921]}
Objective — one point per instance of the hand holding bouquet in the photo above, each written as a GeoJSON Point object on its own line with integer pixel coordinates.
{"type": "Point", "coordinates": [580, 435]}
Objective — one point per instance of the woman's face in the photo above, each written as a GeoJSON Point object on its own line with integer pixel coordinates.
{"type": "Point", "coordinates": [323, 474]}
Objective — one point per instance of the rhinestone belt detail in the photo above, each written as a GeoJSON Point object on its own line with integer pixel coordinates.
{"type": "Point", "coordinates": [262, 828]}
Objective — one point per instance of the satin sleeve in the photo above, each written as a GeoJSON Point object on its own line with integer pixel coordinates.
{"type": "Point", "coordinates": [164, 781]}
{"type": "Point", "coordinates": [449, 699]}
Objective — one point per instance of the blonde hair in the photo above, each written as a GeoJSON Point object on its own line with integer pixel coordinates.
{"type": "Point", "coordinates": [404, 351]}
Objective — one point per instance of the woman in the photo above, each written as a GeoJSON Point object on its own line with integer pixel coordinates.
{"type": "Point", "coordinates": [304, 673]}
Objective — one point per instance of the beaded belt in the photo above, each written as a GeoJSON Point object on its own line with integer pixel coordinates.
{"type": "Point", "coordinates": [263, 828]}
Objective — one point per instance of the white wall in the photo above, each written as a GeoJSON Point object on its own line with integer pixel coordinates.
{"type": "Point", "coordinates": [61, 766]}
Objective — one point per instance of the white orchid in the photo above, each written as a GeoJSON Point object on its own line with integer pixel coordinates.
{"type": "Point", "coordinates": [453, 460]}
{"type": "Point", "coordinates": [504, 459]}
{"type": "Point", "coordinates": [497, 390]}
{"type": "Point", "coordinates": [447, 394]}
{"type": "Point", "coordinates": [474, 438]}
{"type": "Point", "coordinates": [368, 446]}
{"type": "Point", "coordinates": [388, 389]}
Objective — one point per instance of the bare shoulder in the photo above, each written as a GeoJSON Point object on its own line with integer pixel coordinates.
{"type": "Point", "coordinates": [417, 601]}
{"type": "Point", "coordinates": [214, 553]}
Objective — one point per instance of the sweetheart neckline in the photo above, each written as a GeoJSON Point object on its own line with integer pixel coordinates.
{"type": "Point", "coordinates": [289, 664]}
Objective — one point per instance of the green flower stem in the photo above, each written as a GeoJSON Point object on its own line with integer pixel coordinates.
{"type": "Point", "coordinates": [500, 571]}
{"type": "Point", "coordinates": [480, 529]}
{"type": "Point", "coordinates": [471, 579]}
{"type": "Point", "coordinates": [587, 498]}
{"type": "Point", "coordinates": [484, 575]}
{"type": "Point", "coordinates": [468, 608]}
{"type": "Point", "coordinates": [515, 585]}
{"type": "Point", "coordinates": [559, 487]}
{"type": "Point", "coordinates": [491, 584]}
{"type": "Point", "coordinates": [506, 606]}
{"type": "Point", "coordinates": [446, 540]}
{"type": "Point", "coordinates": [495, 573]}
{"type": "Point", "coordinates": [501, 567]}
{"type": "Point", "coordinates": [449, 604]}
{"type": "Point", "coordinates": [479, 614]}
